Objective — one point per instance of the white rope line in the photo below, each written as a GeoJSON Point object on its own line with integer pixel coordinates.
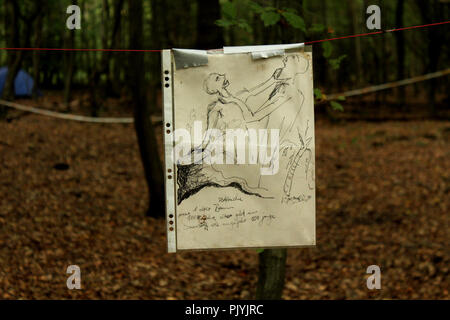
{"type": "Point", "coordinates": [72, 117]}
{"type": "Point", "coordinates": [156, 119]}
{"type": "Point", "coordinates": [389, 85]}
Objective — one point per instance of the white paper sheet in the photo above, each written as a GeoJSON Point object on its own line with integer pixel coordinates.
{"type": "Point", "coordinates": [263, 201]}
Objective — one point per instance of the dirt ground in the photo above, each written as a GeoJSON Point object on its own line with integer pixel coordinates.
{"type": "Point", "coordinates": [74, 193]}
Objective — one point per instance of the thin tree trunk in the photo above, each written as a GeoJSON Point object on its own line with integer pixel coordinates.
{"type": "Point", "coordinates": [272, 268]}
{"type": "Point", "coordinates": [354, 13]}
{"type": "Point", "coordinates": [69, 67]}
{"type": "Point", "coordinates": [36, 54]}
{"type": "Point", "coordinates": [209, 35]}
{"type": "Point", "coordinates": [106, 25]}
{"type": "Point", "coordinates": [432, 10]}
{"type": "Point", "coordinates": [400, 40]}
{"type": "Point", "coordinates": [104, 67]}
{"type": "Point", "coordinates": [12, 39]}
{"type": "Point", "coordinates": [87, 57]}
{"type": "Point", "coordinates": [114, 77]}
{"type": "Point", "coordinates": [142, 121]}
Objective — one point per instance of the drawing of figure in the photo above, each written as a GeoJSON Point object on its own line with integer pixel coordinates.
{"type": "Point", "coordinates": [238, 111]}
{"type": "Point", "coordinates": [288, 87]}
{"type": "Point", "coordinates": [226, 112]}
{"type": "Point", "coordinates": [294, 144]}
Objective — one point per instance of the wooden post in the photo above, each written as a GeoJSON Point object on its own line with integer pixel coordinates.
{"type": "Point", "coordinates": [272, 267]}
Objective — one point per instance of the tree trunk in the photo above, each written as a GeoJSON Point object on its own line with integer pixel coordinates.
{"type": "Point", "coordinates": [113, 87]}
{"type": "Point", "coordinates": [12, 40]}
{"type": "Point", "coordinates": [209, 35]}
{"type": "Point", "coordinates": [272, 267]}
{"type": "Point", "coordinates": [400, 41]}
{"type": "Point", "coordinates": [432, 11]}
{"type": "Point", "coordinates": [36, 54]}
{"type": "Point", "coordinates": [142, 121]}
{"type": "Point", "coordinates": [104, 66]}
{"type": "Point", "coordinates": [69, 67]}
{"type": "Point", "coordinates": [355, 12]}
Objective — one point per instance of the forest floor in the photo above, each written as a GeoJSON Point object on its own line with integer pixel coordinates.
{"type": "Point", "coordinates": [74, 193]}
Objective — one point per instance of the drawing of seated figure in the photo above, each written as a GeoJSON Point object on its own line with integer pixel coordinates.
{"type": "Point", "coordinates": [226, 112]}
{"type": "Point", "coordinates": [258, 107]}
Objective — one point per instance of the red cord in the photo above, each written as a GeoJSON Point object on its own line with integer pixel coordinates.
{"type": "Point", "coordinates": [159, 50]}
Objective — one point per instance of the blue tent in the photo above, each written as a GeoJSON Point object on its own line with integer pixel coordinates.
{"type": "Point", "coordinates": [23, 84]}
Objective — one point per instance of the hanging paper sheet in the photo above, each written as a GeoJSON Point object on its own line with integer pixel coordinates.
{"type": "Point", "coordinates": [239, 147]}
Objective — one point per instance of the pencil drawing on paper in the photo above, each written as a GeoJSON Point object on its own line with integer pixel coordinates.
{"type": "Point", "coordinates": [275, 103]}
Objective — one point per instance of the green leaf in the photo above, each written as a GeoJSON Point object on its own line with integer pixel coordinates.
{"type": "Point", "coordinates": [295, 20]}
{"type": "Point", "coordinates": [337, 106]}
{"type": "Point", "coordinates": [229, 10]}
{"type": "Point", "coordinates": [327, 49]}
{"type": "Point", "coordinates": [270, 18]}
{"type": "Point", "coordinates": [259, 250]}
{"type": "Point", "coordinates": [318, 93]}
{"type": "Point", "coordinates": [341, 98]}
{"type": "Point", "coordinates": [336, 63]}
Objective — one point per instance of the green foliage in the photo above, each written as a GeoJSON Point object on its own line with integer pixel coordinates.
{"type": "Point", "coordinates": [294, 20]}
{"type": "Point", "coordinates": [230, 18]}
{"type": "Point", "coordinates": [229, 10]}
{"type": "Point", "coordinates": [270, 18]}
{"type": "Point", "coordinates": [336, 106]}
{"type": "Point", "coordinates": [327, 49]}
{"type": "Point", "coordinates": [318, 93]}
{"type": "Point", "coordinates": [336, 63]}
{"type": "Point", "coordinates": [256, 7]}
{"type": "Point", "coordinates": [241, 23]}
{"type": "Point", "coordinates": [317, 28]}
